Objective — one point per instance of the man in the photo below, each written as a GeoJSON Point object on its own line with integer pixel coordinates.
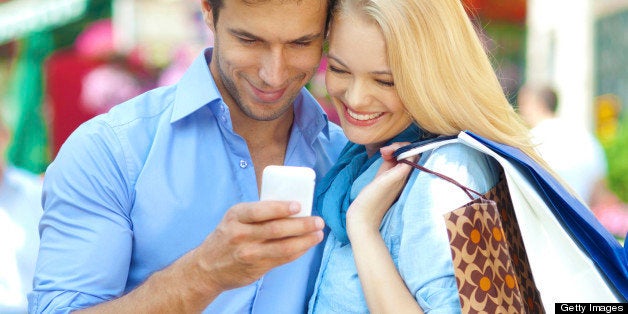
{"type": "Point", "coordinates": [573, 152]}
{"type": "Point", "coordinates": [153, 206]}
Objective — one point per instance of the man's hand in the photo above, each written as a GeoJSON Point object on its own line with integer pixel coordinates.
{"type": "Point", "coordinates": [253, 238]}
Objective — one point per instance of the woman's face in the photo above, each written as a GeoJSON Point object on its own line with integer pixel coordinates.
{"type": "Point", "coordinates": [360, 83]}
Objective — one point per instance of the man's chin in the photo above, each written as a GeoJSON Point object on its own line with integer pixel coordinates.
{"type": "Point", "coordinates": [267, 112]}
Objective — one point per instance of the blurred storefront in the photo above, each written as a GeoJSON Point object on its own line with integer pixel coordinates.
{"type": "Point", "coordinates": [503, 24]}
{"type": "Point", "coordinates": [560, 52]}
{"type": "Point", "coordinates": [162, 28]}
{"type": "Point", "coordinates": [26, 36]}
{"type": "Point", "coordinates": [18, 18]}
{"type": "Point", "coordinates": [57, 58]}
{"type": "Point", "coordinates": [581, 49]}
{"type": "Point", "coordinates": [611, 89]}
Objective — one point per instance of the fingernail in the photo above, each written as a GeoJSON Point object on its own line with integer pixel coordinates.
{"type": "Point", "coordinates": [295, 207]}
{"type": "Point", "coordinates": [319, 223]}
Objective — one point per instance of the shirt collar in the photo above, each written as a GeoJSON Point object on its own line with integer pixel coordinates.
{"type": "Point", "coordinates": [309, 116]}
{"type": "Point", "coordinates": [196, 88]}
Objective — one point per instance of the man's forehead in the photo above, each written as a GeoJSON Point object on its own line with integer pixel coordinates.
{"type": "Point", "coordinates": [298, 2]}
{"type": "Point", "coordinates": [286, 9]}
{"type": "Point", "coordinates": [253, 2]}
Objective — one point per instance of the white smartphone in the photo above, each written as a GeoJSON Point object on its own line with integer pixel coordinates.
{"type": "Point", "coordinates": [289, 183]}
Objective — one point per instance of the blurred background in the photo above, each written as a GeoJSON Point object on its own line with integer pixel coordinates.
{"type": "Point", "coordinates": [65, 61]}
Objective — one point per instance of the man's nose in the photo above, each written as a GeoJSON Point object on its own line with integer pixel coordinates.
{"type": "Point", "coordinates": [274, 69]}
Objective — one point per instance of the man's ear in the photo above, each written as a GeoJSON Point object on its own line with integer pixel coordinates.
{"type": "Point", "coordinates": [208, 15]}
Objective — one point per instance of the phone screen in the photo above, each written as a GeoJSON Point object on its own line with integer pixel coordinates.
{"type": "Point", "coordinates": [289, 183]}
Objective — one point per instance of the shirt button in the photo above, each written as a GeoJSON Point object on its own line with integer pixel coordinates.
{"type": "Point", "coordinates": [243, 164]}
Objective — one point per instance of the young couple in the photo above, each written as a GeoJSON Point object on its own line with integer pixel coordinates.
{"type": "Point", "coordinates": [153, 206]}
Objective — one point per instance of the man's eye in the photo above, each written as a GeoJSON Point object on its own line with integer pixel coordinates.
{"type": "Point", "coordinates": [302, 43]}
{"type": "Point", "coordinates": [246, 41]}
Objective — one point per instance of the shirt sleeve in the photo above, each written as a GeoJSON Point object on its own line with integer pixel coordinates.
{"type": "Point", "coordinates": [86, 233]}
{"type": "Point", "coordinates": [424, 254]}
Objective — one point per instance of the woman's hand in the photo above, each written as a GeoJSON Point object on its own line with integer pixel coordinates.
{"type": "Point", "coordinates": [384, 289]}
{"type": "Point", "coordinates": [367, 210]}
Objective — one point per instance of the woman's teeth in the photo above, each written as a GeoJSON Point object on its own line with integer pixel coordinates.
{"type": "Point", "coordinates": [363, 117]}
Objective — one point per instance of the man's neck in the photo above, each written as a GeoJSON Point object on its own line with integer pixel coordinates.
{"type": "Point", "coordinates": [267, 140]}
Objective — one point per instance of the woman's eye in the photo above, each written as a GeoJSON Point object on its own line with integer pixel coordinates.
{"type": "Point", "coordinates": [386, 83]}
{"type": "Point", "coordinates": [335, 69]}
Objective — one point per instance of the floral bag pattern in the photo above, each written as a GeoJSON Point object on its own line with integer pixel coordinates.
{"type": "Point", "coordinates": [491, 266]}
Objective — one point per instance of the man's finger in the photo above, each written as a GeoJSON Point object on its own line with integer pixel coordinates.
{"type": "Point", "coordinates": [261, 211]}
{"type": "Point", "coordinates": [287, 249]}
{"type": "Point", "coordinates": [285, 228]}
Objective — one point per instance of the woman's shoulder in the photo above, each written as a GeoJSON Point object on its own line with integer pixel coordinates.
{"type": "Point", "coordinates": [460, 162]}
{"type": "Point", "coordinates": [426, 195]}
{"type": "Point", "coordinates": [458, 155]}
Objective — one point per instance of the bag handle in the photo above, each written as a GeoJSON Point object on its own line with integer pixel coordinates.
{"type": "Point", "coordinates": [464, 188]}
{"type": "Point", "coordinates": [417, 148]}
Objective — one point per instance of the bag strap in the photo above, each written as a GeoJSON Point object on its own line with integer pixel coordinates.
{"type": "Point", "coordinates": [417, 148]}
{"type": "Point", "coordinates": [464, 188]}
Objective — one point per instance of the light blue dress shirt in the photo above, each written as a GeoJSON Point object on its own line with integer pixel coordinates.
{"type": "Point", "coordinates": [133, 190]}
{"type": "Point", "coordinates": [415, 233]}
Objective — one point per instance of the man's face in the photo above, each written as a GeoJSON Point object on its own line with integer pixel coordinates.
{"type": "Point", "coordinates": [265, 53]}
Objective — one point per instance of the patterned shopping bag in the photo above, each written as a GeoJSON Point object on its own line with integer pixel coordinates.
{"type": "Point", "coordinates": [572, 256]}
{"type": "Point", "coordinates": [490, 262]}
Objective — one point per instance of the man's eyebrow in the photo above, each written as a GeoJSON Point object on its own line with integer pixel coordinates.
{"type": "Point", "coordinates": [304, 38]}
{"type": "Point", "coordinates": [242, 33]}
{"type": "Point", "coordinates": [307, 38]}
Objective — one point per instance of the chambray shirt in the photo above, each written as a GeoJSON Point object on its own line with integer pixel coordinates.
{"type": "Point", "coordinates": [415, 233]}
{"type": "Point", "coordinates": [133, 190]}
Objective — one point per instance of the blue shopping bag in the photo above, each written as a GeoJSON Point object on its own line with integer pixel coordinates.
{"type": "Point", "coordinates": [576, 218]}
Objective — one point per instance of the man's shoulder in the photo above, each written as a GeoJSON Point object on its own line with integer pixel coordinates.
{"type": "Point", "coordinates": [130, 121]}
{"type": "Point", "coordinates": [124, 133]}
{"type": "Point", "coordinates": [145, 107]}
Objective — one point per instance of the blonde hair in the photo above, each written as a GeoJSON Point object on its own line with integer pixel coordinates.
{"type": "Point", "coordinates": [442, 73]}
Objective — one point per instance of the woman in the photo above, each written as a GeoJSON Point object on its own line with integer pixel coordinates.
{"type": "Point", "coordinates": [401, 71]}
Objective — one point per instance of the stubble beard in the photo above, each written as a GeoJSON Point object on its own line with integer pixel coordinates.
{"type": "Point", "coordinates": [233, 91]}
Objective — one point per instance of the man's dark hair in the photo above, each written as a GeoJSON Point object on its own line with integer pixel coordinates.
{"type": "Point", "coordinates": [545, 93]}
{"type": "Point", "coordinates": [549, 97]}
{"type": "Point", "coordinates": [217, 5]}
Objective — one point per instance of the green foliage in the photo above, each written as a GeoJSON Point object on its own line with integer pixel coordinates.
{"type": "Point", "coordinates": [617, 156]}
